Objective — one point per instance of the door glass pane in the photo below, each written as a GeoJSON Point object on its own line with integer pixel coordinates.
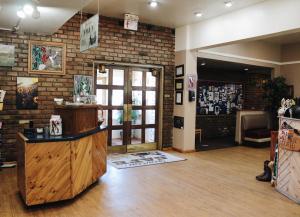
{"type": "Point", "coordinates": [136, 136]}
{"type": "Point", "coordinates": [136, 117]}
{"type": "Point", "coordinates": [150, 80]}
{"type": "Point", "coordinates": [150, 116]}
{"type": "Point", "coordinates": [137, 97]}
{"type": "Point", "coordinates": [117, 117]}
{"type": "Point", "coordinates": [102, 96]}
{"type": "Point", "coordinates": [116, 137]}
{"type": "Point", "coordinates": [137, 78]}
{"type": "Point", "coordinates": [103, 117]}
{"type": "Point", "coordinates": [149, 135]}
{"type": "Point", "coordinates": [102, 78]}
{"type": "Point", "coordinates": [118, 77]}
{"type": "Point", "coordinates": [117, 97]}
{"type": "Point", "coordinates": [150, 98]}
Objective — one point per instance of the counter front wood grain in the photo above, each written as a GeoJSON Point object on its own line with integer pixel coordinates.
{"type": "Point", "coordinates": [54, 171]}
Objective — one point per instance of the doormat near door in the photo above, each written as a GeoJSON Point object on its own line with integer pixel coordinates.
{"type": "Point", "coordinates": [130, 160]}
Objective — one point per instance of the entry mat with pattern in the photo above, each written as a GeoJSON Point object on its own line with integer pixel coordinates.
{"type": "Point", "coordinates": [129, 160]}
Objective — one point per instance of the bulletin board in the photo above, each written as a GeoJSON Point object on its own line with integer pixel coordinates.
{"type": "Point", "coordinates": [215, 98]}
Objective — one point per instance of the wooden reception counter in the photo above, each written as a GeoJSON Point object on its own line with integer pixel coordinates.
{"type": "Point", "coordinates": [60, 167]}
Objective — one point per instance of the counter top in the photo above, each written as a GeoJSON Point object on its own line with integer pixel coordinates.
{"type": "Point", "coordinates": [40, 138]}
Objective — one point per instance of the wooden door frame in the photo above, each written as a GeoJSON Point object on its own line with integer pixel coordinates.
{"type": "Point", "coordinates": [161, 89]}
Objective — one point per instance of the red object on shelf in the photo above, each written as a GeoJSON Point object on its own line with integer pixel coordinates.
{"type": "Point", "coordinates": [274, 141]}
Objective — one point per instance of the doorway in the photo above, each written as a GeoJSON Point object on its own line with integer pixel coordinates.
{"type": "Point", "coordinates": [129, 97]}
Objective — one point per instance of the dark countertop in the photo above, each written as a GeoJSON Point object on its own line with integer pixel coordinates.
{"type": "Point", "coordinates": [40, 138]}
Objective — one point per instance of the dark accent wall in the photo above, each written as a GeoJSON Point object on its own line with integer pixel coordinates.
{"type": "Point", "coordinates": [224, 125]}
{"type": "Point", "coordinates": [153, 45]}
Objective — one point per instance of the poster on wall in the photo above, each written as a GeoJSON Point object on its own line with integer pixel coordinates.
{"type": "Point", "coordinates": [89, 33]}
{"type": "Point", "coordinates": [27, 93]}
{"type": "Point", "coordinates": [83, 85]}
{"type": "Point", "coordinates": [216, 98]}
{"type": "Point", "coordinates": [7, 55]}
{"type": "Point", "coordinates": [131, 22]}
{"type": "Point", "coordinates": [46, 58]}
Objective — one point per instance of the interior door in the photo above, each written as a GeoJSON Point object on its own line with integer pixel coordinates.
{"type": "Point", "coordinates": [130, 107]}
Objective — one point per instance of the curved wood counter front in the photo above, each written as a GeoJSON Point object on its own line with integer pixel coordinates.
{"type": "Point", "coordinates": [58, 168]}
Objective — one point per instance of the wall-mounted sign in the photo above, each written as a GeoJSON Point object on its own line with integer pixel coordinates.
{"type": "Point", "coordinates": [192, 82]}
{"type": "Point", "coordinates": [89, 33]}
{"type": "Point", "coordinates": [131, 22]}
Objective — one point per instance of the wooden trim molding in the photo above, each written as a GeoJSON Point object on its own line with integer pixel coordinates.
{"type": "Point", "coordinates": [182, 151]}
{"type": "Point", "coordinates": [248, 58]}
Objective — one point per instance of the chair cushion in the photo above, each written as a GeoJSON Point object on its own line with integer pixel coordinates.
{"type": "Point", "coordinates": [258, 133]}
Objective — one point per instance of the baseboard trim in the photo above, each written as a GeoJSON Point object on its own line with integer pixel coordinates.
{"type": "Point", "coordinates": [185, 152]}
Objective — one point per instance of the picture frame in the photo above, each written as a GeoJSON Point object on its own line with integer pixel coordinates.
{"type": "Point", "coordinates": [179, 98]}
{"type": "Point", "coordinates": [179, 84]}
{"type": "Point", "coordinates": [46, 58]}
{"type": "Point", "coordinates": [179, 71]}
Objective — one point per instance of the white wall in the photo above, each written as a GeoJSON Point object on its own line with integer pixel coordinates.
{"type": "Point", "coordinates": [271, 17]}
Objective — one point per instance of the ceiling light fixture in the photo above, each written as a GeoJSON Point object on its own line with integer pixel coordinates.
{"type": "Point", "coordinates": [21, 14]}
{"type": "Point", "coordinates": [28, 9]}
{"type": "Point", "coordinates": [246, 69]}
{"type": "Point", "coordinates": [198, 14]}
{"type": "Point", "coordinates": [153, 4]}
{"type": "Point", "coordinates": [228, 4]}
{"type": "Point", "coordinates": [36, 13]}
{"type": "Point", "coordinates": [203, 64]}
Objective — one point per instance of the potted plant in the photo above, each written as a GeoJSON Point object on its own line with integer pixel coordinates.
{"type": "Point", "coordinates": [275, 90]}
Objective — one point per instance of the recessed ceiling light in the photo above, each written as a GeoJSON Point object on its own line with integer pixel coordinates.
{"type": "Point", "coordinates": [21, 14]}
{"type": "Point", "coordinates": [198, 14]}
{"type": "Point", "coordinates": [228, 4]}
{"type": "Point", "coordinates": [28, 9]}
{"type": "Point", "coordinates": [153, 4]}
{"type": "Point", "coordinates": [246, 69]}
{"type": "Point", "coordinates": [203, 64]}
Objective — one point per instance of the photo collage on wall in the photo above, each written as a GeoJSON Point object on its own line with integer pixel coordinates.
{"type": "Point", "coordinates": [216, 98]}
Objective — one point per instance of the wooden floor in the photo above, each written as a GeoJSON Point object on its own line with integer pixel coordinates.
{"type": "Point", "coordinates": [212, 183]}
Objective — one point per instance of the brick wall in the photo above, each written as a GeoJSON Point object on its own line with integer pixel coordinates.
{"type": "Point", "coordinates": [149, 45]}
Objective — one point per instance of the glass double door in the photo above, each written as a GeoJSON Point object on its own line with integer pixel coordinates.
{"type": "Point", "coordinates": [129, 98]}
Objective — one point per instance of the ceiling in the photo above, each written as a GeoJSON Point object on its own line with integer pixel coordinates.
{"type": "Point", "coordinates": [284, 39]}
{"type": "Point", "coordinates": [54, 13]}
{"type": "Point", "coordinates": [229, 66]}
{"type": "Point", "coordinates": [169, 13]}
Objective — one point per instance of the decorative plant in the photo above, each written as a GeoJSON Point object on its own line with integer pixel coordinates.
{"type": "Point", "coordinates": [275, 90]}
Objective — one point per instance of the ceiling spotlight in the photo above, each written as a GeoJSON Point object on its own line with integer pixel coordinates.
{"type": "Point", "coordinates": [228, 4]}
{"type": "Point", "coordinates": [28, 9]}
{"type": "Point", "coordinates": [203, 64]}
{"type": "Point", "coordinates": [198, 14]}
{"type": "Point", "coordinates": [153, 4]}
{"type": "Point", "coordinates": [246, 69]}
{"type": "Point", "coordinates": [21, 14]}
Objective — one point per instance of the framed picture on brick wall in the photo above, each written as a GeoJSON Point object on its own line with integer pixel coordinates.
{"type": "Point", "coordinates": [46, 58]}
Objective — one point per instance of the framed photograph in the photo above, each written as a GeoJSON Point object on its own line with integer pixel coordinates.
{"type": "Point", "coordinates": [83, 85]}
{"type": "Point", "coordinates": [7, 55]}
{"type": "Point", "coordinates": [27, 93]}
{"type": "Point", "coordinates": [179, 84]}
{"type": "Point", "coordinates": [179, 98]}
{"type": "Point", "coordinates": [46, 58]}
{"type": "Point", "coordinates": [179, 71]}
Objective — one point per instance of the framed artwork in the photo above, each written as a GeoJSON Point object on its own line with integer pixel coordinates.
{"type": "Point", "coordinates": [46, 58]}
{"type": "Point", "coordinates": [89, 33]}
{"type": "Point", "coordinates": [27, 93]}
{"type": "Point", "coordinates": [179, 84]}
{"type": "Point", "coordinates": [7, 55]}
{"type": "Point", "coordinates": [179, 71]}
{"type": "Point", "coordinates": [83, 85]}
{"type": "Point", "coordinates": [179, 98]}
